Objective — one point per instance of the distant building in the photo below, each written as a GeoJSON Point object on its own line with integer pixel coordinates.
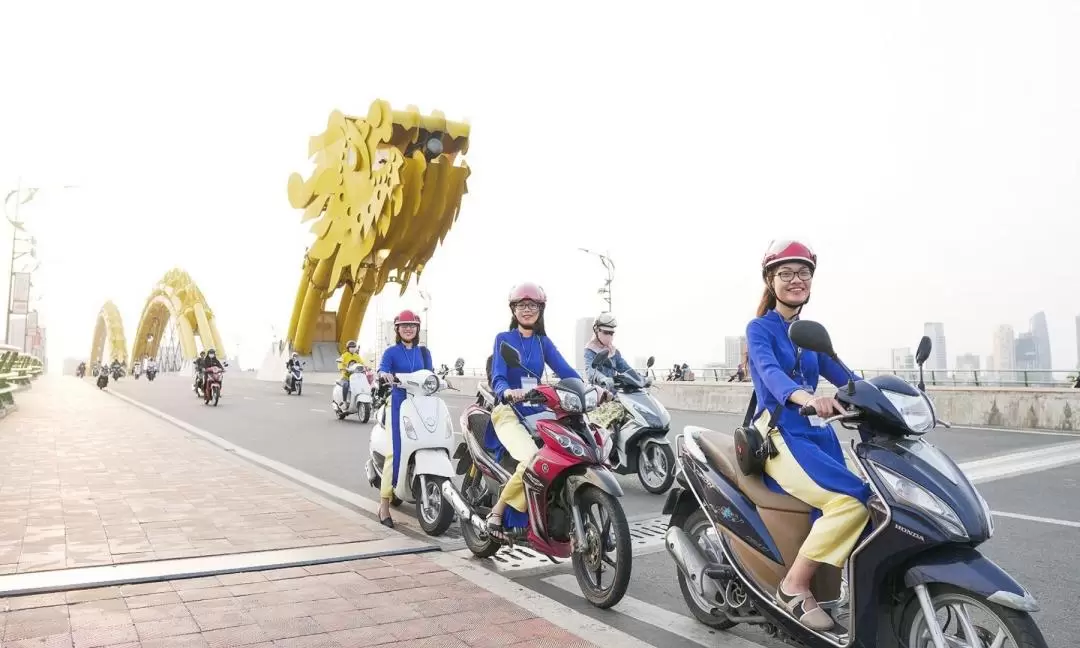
{"type": "Point", "coordinates": [734, 350]}
{"type": "Point", "coordinates": [938, 356]}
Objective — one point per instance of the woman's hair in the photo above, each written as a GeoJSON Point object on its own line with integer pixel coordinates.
{"type": "Point", "coordinates": [537, 328]}
{"type": "Point", "coordinates": [768, 297]}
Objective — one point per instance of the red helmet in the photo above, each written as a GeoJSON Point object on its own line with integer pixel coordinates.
{"type": "Point", "coordinates": [783, 251]}
{"type": "Point", "coordinates": [406, 317]}
{"type": "Point", "coordinates": [527, 290]}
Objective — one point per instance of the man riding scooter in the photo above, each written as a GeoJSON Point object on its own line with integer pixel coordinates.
{"type": "Point", "coordinates": [604, 326]}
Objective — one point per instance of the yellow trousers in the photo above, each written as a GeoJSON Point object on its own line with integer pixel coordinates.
{"type": "Point", "coordinates": [386, 488]}
{"type": "Point", "coordinates": [519, 443]}
{"type": "Point", "coordinates": [834, 534]}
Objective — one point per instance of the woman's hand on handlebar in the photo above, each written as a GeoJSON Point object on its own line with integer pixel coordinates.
{"type": "Point", "coordinates": [515, 395]}
{"type": "Point", "coordinates": [823, 406]}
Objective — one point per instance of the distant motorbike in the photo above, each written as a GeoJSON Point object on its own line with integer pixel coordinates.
{"type": "Point", "coordinates": [294, 380]}
{"type": "Point", "coordinates": [151, 372]}
{"type": "Point", "coordinates": [212, 385]}
{"type": "Point", "coordinates": [103, 379]}
{"type": "Point", "coordinates": [359, 394]}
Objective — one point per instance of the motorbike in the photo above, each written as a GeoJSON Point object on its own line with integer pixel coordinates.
{"type": "Point", "coordinates": [151, 372]}
{"type": "Point", "coordinates": [359, 394]}
{"type": "Point", "coordinates": [211, 388]}
{"type": "Point", "coordinates": [640, 444]}
{"type": "Point", "coordinates": [102, 379]}
{"type": "Point", "coordinates": [427, 439]}
{"type": "Point", "coordinates": [294, 380]}
{"type": "Point", "coordinates": [80, 371]}
{"type": "Point", "coordinates": [912, 578]}
{"type": "Point", "coordinates": [573, 507]}
{"type": "Point", "coordinates": [116, 373]}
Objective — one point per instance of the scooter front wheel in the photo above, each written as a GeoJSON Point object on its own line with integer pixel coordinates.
{"type": "Point", "coordinates": [364, 412]}
{"type": "Point", "coordinates": [958, 612]}
{"type": "Point", "coordinates": [656, 467]}
{"type": "Point", "coordinates": [606, 531]}
{"type": "Point", "coordinates": [436, 517]}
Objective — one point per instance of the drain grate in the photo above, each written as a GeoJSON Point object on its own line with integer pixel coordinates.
{"type": "Point", "coordinates": [646, 536]}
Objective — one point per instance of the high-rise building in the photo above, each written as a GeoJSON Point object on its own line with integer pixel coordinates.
{"type": "Point", "coordinates": [903, 363]}
{"type": "Point", "coordinates": [1078, 341]}
{"type": "Point", "coordinates": [582, 335]}
{"type": "Point", "coordinates": [1026, 360]}
{"type": "Point", "coordinates": [967, 362]}
{"type": "Point", "coordinates": [1005, 348]}
{"type": "Point", "coordinates": [938, 356]}
{"type": "Point", "coordinates": [1041, 334]}
{"type": "Point", "coordinates": [734, 349]}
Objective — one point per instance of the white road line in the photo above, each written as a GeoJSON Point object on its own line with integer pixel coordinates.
{"type": "Point", "coordinates": [676, 624]}
{"type": "Point", "coordinates": [318, 410]}
{"type": "Point", "coordinates": [1035, 518]}
{"type": "Point", "coordinates": [249, 398]}
{"type": "Point", "coordinates": [567, 618]}
{"type": "Point", "coordinates": [279, 403]}
{"type": "Point", "coordinates": [1021, 463]}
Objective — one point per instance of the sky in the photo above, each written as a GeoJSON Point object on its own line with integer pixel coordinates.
{"type": "Point", "coordinates": [929, 151]}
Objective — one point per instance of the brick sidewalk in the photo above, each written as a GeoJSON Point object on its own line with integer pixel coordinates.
{"type": "Point", "coordinates": [87, 479]}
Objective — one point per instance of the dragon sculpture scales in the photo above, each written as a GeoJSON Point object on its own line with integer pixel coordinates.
{"type": "Point", "coordinates": [385, 190]}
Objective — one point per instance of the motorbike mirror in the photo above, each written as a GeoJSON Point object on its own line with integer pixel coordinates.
{"type": "Point", "coordinates": [812, 336]}
{"type": "Point", "coordinates": [510, 355]}
{"type": "Point", "coordinates": [923, 352]}
{"type": "Point", "coordinates": [600, 358]}
{"type": "Point", "coordinates": [650, 362]}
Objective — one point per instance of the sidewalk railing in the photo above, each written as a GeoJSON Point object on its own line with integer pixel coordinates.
{"type": "Point", "coordinates": [17, 369]}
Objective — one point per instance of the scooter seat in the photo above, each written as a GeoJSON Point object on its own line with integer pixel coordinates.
{"type": "Point", "coordinates": [719, 449]}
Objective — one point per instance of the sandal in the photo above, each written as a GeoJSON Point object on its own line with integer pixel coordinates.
{"type": "Point", "coordinates": [799, 605]}
{"type": "Point", "coordinates": [495, 527]}
{"type": "Point", "coordinates": [386, 521]}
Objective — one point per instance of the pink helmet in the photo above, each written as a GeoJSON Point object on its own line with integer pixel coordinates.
{"type": "Point", "coordinates": [528, 290]}
{"type": "Point", "coordinates": [783, 251]}
{"type": "Point", "coordinates": [406, 317]}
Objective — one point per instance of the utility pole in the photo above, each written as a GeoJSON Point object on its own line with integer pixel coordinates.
{"type": "Point", "coordinates": [609, 267]}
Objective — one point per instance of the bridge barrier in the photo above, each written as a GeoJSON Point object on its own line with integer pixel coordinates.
{"type": "Point", "coordinates": [1032, 408]}
{"type": "Point", "coordinates": [17, 370]}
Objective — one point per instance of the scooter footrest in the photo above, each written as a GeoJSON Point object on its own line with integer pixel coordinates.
{"type": "Point", "coordinates": [719, 571]}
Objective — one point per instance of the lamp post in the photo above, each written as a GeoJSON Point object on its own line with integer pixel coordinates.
{"type": "Point", "coordinates": [17, 225]}
{"type": "Point", "coordinates": [609, 266]}
{"type": "Point", "coordinates": [427, 307]}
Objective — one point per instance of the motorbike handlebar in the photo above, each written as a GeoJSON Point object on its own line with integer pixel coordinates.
{"type": "Point", "coordinates": [532, 397]}
{"type": "Point", "coordinates": [807, 410]}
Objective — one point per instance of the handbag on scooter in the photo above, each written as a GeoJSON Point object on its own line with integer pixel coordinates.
{"type": "Point", "coordinates": [753, 445]}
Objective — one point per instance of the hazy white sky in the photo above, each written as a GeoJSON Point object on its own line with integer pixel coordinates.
{"type": "Point", "coordinates": [930, 151]}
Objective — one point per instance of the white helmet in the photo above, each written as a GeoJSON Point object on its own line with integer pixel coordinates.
{"type": "Point", "coordinates": [607, 320]}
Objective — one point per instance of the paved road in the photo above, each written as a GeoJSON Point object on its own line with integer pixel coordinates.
{"type": "Point", "coordinates": [302, 432]}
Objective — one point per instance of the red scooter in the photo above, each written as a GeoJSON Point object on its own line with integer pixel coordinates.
{"type": "Point", "coordinates": [571, 493]}
{"type": "Point", "coordinates": [212, 385]}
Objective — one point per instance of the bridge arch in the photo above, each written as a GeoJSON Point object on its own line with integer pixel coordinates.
{"type": "Point", "coordinates": [176, 298]}
{"type": "Point", "coordinates": [109, 341]}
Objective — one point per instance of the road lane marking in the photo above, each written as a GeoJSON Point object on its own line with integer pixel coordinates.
{"type": "Point", "coordinates": [567, 618]}
{"type": "Point", "coordinates": [321, 411]}
{"type": "Point", "coordinates": [1014, 464]}
{"type": "Point", "coordinates": [677, 624]}
{"type": "Point", "coordinates": [1036, 518]}
{"type": "Point", "coordinates": [249, 398]}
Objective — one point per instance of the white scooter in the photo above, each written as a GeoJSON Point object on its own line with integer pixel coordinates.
{"type": "Point", "coordinates": [427, 441]}
{"type": "Point", "coordinates": [359, 394]}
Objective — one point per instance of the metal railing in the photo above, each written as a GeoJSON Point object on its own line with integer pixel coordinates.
{"type": "Point", "coordinates": [1050, 378]}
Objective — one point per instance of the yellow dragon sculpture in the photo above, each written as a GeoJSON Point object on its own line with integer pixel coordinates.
{"type": "Point", "coordinates": [385, 191]}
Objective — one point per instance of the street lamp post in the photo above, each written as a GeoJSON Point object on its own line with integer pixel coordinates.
{"type": "Point", "coordinates": [427, 307]}
{"type": "Point", "coordinates": [609, 266]}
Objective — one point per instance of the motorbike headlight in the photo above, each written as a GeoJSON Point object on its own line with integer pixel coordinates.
{"type": "Point", "coordinates": [431, 385]}
{"type": "Point", "coordinates": [915, 410]}
{"type": "Point", "coordinates": [907, 492]}
{"type": "Point", "coordinates": [569, 401]}
{"type": "Point", "coordinates": [569, 444]}
{"type": "Point", "coordinates": [410, 431]}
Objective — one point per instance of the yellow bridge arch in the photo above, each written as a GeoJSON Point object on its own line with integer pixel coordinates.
{"type": "Point", "coordinates": [176, 297]}
{"type": "Point", "coordinates": [109, 341]}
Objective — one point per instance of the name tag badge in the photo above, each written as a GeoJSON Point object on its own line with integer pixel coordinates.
{"type": "Point", "coordinates": [528, 383]}
{"type": "Point", "coordinates": [816, 421]}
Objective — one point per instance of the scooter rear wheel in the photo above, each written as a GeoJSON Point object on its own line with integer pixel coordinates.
{"type": "Point", "coordinates": [482, 545]}
{"type": "Point", "coordinates": [695, 526]}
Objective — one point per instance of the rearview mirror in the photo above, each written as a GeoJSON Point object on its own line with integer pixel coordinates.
{"type": "Point", "coordinates": [510, 356]}
{"type": "Point", "coordinates": [811, 336]}
{"type": "Point", "coordinates": [923, 352]}
{"type": "Point", "coordinates": [650, 362]}
{"type": "Point", "coordinates": [600, 358]}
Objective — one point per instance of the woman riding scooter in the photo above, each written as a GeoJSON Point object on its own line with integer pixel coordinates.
{"type": "Point", "coordinates": [604, 340]}
{"type": "Point", "coordinates": [406, 356]}
{"type": "Point", "coordinates": [527, 335]}
{"type": "Point", "coordinates": [809, 463]}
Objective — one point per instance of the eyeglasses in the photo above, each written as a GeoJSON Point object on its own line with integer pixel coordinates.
{"type": "Point", "coordinates": [787, 275]}
{"type": "Point", "coordinates": [527, 307]}
{"type": "Point", "coordinates": [409, 327]}
{"type": "Point", "coordinates": [604, 332]}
